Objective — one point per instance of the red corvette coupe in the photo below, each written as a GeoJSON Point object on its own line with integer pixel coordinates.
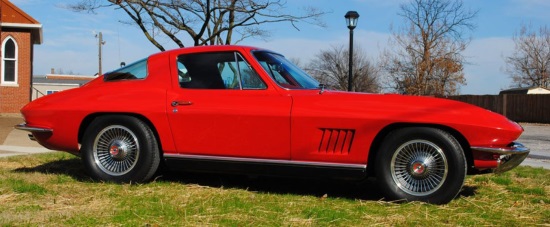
{"type": "Point", "coordinates": [247, 110]}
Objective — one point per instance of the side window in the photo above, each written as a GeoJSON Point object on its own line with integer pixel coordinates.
{"type": "Point", "coordinates": [249, 78]}
{"type": "Point", "coordinates": [223, 70]}
{"type": "Point", "coordinates": [230, 76]}
{"type": "Point", "coordinates": [183, 76]}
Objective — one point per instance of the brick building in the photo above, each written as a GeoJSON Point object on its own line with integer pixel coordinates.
{"type": "Point", "coordinates": [19, 33]}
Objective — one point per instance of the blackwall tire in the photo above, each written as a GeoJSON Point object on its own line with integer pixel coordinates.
{"type": "Point", "coordinates": [120, 149]}
{"type": "Point", "coordinates": [420, 164]}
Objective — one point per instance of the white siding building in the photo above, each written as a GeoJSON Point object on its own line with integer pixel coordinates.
{"type": "Point", "coordinates": [51, 83]}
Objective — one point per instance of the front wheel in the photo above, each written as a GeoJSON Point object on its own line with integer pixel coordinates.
{"type": "Point", "coordinates": [420, 164]}
{"type": "Point", "coordinates": [120, 149]}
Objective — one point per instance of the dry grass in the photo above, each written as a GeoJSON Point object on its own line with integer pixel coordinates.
{"type": "Point", "coordinates": [52, 189]}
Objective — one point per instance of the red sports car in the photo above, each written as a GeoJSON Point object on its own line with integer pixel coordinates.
{"type": "Point", "coordinates": [248, 110]}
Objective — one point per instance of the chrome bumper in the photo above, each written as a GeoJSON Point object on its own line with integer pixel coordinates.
{"type": "Point", "coordinates": [24, 127]}
{"type": "Point", "coordinates": [510, 157]}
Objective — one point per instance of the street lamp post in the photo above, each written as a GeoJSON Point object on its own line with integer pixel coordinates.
{"type": "Point", "coordinates": [351, 20]}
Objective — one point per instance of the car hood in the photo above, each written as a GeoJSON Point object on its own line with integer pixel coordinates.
{"type": "Point", "coordinates": [480, 126]}
{"type": "Point", "coordinates": [415, 108]}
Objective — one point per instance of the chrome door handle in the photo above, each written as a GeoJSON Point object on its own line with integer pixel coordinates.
{"type": "Point", "coordinates": [181, 103]}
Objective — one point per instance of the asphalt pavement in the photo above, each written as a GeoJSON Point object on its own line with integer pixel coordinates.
{"type": "Point", "coordinates": [18, 143]}
{"type": "Point", "coordinates": [535, 137]}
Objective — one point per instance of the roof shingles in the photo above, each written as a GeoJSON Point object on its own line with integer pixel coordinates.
{"type": "Point", "coordinates": [12, 14]}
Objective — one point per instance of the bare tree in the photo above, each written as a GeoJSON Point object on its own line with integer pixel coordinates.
{"type": "Point", "coordinates": [330, 67]}
{"type": "Point", "coordinates": [205, 22]}
{"type": "Point", "coordinates": [297, 62]}
{"type": "Point", "coordinates": [529, 64]}
{"type": "Point", "coordinates": [427, 58]}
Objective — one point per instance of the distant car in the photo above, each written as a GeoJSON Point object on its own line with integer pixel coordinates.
{"type": "Point", "coordinates": [237, 109]}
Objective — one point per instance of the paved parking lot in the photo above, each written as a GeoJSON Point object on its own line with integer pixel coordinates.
{"type": "Point", "coordinates": [537, 138]}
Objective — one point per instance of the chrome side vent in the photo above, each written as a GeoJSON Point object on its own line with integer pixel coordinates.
{"type": "Point", "coordinates": [336, 141]}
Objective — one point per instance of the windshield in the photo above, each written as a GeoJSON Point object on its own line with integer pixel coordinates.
{"type": "Point", "coordinates": [282, 71]}
{"type": "Point", "coordinates": [136, 70]}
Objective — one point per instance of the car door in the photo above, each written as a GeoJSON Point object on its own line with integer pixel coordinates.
{"type": "Point", "coordinates": [221, 107]}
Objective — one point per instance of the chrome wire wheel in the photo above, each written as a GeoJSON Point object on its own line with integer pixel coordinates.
{"type": "Point", "coordinates": [419, 167]}
{"type": "Point", "coordinates": [116, 150]}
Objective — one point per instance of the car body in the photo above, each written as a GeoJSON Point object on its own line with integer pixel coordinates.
{"type": "Point", "coordinates": [248, 110]}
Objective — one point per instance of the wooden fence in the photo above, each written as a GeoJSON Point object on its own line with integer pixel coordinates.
{"type": "Point", "coordinates": [520, 108]}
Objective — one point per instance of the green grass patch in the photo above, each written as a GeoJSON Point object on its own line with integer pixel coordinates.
{"type": "Point", "coordinates": [52, 189]}
{"type": "Point", "coordinates": [21, 186]}
{"type": "Point", "coordinates": [502, 179]}
{"type": "Point", "coordinates": [530, 191]}
{"type": "Point", "coordinates": [531, 172]}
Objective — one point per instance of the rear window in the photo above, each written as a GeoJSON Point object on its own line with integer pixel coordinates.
{"type": "Point", "coordinates": [134, 71]}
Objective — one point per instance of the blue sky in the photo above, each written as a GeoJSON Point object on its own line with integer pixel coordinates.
{"type": "Point", "coordinates": [70, 45]}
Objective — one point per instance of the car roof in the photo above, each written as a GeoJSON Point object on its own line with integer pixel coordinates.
{"type": "Point", "coordinates": [211, 48]}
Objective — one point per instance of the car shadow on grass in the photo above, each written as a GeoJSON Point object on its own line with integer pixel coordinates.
{"type": "Point", "coordinates": [318, 187]}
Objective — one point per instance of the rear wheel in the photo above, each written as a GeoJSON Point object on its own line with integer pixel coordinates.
{"type": "Point", "coordinates": [120, 149]}
{"type": "Point", "coordinates": [420, 164]}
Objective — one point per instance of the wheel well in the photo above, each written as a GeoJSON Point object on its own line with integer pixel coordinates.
{"type": "Point", "coordinates": [377, 142]}
{"type": "Point", "coordinates": [90, 118]}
